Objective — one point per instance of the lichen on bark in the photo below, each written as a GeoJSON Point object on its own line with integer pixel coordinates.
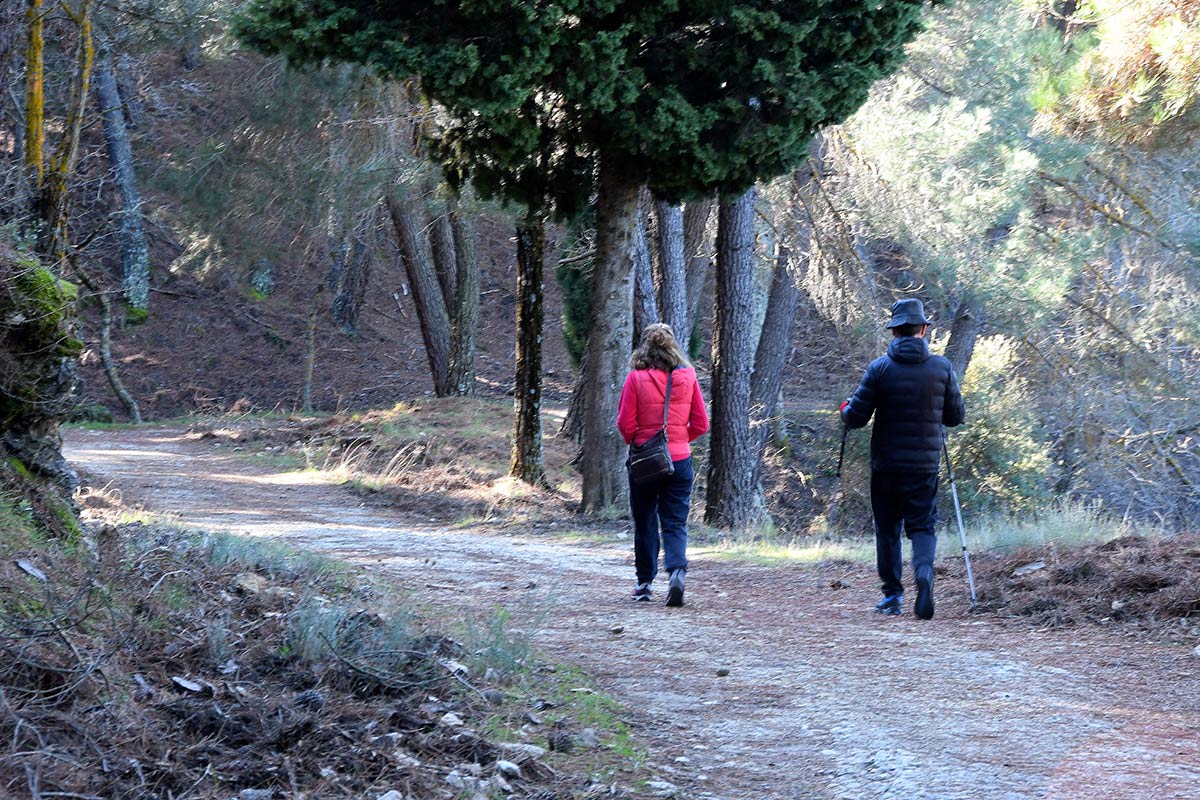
{"type": "Point", "coordinates": [38, 364]}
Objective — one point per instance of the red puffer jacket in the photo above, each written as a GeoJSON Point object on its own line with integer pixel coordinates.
{"type": "Point", "coordinates": [640, 414]}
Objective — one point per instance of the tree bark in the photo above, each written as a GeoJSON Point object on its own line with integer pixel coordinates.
{"type": "Point", "coordinates": [774, 342]}
{"type": "Point", "coordinates": [465, 314]}
{"type": "Point", "coordinates": [526, 462]}
{"type": "Point", "coordinates": [697, 264]}
{"type": "Point", "coordinates": [427, 293]}
{"type": "Point", "coordinates": [135, 256]}
{"type": "Point", "coordinates": [645, 303]}
{"type": "Point", "coordinates": [730, 499]}
{"type": "Point", "coordinates": [771, 355]}
{"type": "Point", "coordinates": [54, 202]}
{"type": "Point", "coordinates": [353, 271]}
{"type": "Point", "coordinates": [132, 106]}
{"type": "Point", "coordinates": [35, 98]}
{"type": "Point", "coordinates": [608, 338]}
{"type": "Point", "coordinates": [572, 426]}
{"type": "Point", "coordinates": [964, 330]}
{"type": "Point", "coordinates": [671, 261]}
{"type": "Point", "coordinates": [441, 241]}
{"type": "Point", "coordinates": [106, 359]}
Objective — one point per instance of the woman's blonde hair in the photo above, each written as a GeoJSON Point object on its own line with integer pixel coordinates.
{"type": "Point", "coordinates": [658, 350]}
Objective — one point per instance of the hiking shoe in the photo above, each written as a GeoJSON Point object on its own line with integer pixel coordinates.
{"type": "Point", "coordinates": [890, 605]}
{"type": "Point", "coordinates": [675, 588]}
{"type": "Point", "coordinates": [642, 593]}
{"type": "Point", "coordinates": [924, 605]}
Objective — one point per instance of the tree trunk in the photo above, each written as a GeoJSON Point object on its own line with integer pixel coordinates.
{"type": "Point", "coordinates": [106, 359]}
{"type": "Point", "coordinates": [671, 260]}
{"type": "Point", "coordinates": [775, 340]}
{"type": "Point", "coordinates": [465, 314]}
{"type": "Point", "coordinates": [696, 262]}
{"type": "Point", "coordinates": [310, 353]}
{"type": "Point", "coordinates": [132, 106]}
{"type": "Point", "coordinates": [441, 241]}
{"type": "Point", "coordinates": [352, 271]}
{"type": "Point", "coordinates": [730, 499]}
{"type": "Point", "coordinates": [135, 256]}
{"type": "Point", "coordinates": [55, 198]}
{"type": "Point", "coordinates": [964, 330]}
{"type": "Point", "coordinates": [35, 98]}
{"type": "Point", "coordinates": [572, 426]}
{"type": "Point", "coordinates": [771, 356]}
{"type": "Point", "coordinates": [427, 293]}
{"type": "Point", "coordinates": [526, 461]}
{"type": "Point", "coordinates": [608, 339]}
{"type": "Point", "coordinates": [645, 304]}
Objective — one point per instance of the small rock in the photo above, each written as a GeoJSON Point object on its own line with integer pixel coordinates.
{"type": "Point", "coordinates": [405, 759]}
{"type": "Point", "coordinates": [249, 583]}
{"type": "Point", "coordinates": [1117, 605]}
{"type": "Point", "coordinates": [493, 696]}
{"type": "Point", "coordinates": [328, 774]}
{"type": "Point", "coordinates": [1196, 652]}
{"type": "Point", "coordinates": [723, 672]}
{"type": "Point", "coordinates": [29, 568]}
{"type": "Point", "coordinates": [501, 784]}
{"type": "Point", "coordinates": [617, 629]}
{"type": "Point", "coordinates": [392, 795]}
{"type": "Point", "coordinates": [450, 720]}
{"type": "Point", "coordinates": [588, 738]}
{"type": "Point", "coordinates": [508, 769]}
{"type": "Point", "coordinates": [1028, 568]}
{"type": "Point", "coordinates": [473, 769]}
{"type": "Point", "coordinates": [527, 750]}
{"type": "Point", "coordinates": [662, 788]}
{"type": "Point", "coordinates": [454, 667]}
{"type": "Point", "coordinates": [190, 685]}
{"type": "Point", "coordinates": [256, 794]}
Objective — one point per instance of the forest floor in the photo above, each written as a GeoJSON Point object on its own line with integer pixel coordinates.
{"type": "Point", "coordinates": [772, 682]}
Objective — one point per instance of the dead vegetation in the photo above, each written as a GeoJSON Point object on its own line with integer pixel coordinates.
{"type": "Point", "coordinates": [147, 662]}
{"type": "Point", "coordinates": [1148, 582]}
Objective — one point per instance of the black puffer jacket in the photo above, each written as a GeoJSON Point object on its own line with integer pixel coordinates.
{"type": "Point", "coordinates": [912, 394]}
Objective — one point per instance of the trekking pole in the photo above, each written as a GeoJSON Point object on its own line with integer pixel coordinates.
{"type": "Point", "coordinates": [837, 492]}
{"type": "Point", "coordinates": [962, 536]}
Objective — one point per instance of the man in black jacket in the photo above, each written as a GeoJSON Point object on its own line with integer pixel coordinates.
{"type": "Point", "coordinates": [912, 395]}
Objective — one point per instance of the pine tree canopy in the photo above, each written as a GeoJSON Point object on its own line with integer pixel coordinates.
{"type": "Point", "coordinates": [688, 97]}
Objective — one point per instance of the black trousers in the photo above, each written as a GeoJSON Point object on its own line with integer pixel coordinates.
{"type": "Point", "coordinates": [907, 502]}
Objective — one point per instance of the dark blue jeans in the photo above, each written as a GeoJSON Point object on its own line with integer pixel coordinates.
{"type": "Point", "coordinates": [901, 500]}
{"type": "Point", "coordinates": [662, 504]}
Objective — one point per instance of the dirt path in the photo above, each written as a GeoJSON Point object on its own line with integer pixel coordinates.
{"type": "Point", "coordinates": [822, 700]}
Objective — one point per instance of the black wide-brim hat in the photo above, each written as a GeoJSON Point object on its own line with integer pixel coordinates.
{"type": "Point", "coordinates": [908, 312]}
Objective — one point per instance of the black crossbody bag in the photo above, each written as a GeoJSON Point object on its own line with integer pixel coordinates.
{"type": "Point", "coordinates": [650, 461]}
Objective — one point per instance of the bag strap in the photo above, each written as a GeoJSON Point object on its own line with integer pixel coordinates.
{"type": "Point", "coordinates": [667, 402]}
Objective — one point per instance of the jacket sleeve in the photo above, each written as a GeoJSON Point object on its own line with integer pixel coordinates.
{"type": "Point", "coordinates": [698, 416]}
{"type": "Point", "coordinates": [953, 411]}
{"type": "Point", "coordinates": [627, 409]}
{"type": "Point", "coordinates": [858, 411]}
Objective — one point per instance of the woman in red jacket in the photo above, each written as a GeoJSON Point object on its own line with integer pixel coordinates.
{"type": "Point", "coordinates": [639, 417]}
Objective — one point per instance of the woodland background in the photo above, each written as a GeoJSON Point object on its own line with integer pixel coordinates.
{"type": "Point", "coordinates": [252, 236]}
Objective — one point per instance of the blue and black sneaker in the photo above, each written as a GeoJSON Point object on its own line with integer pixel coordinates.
{"type": "Point", "coordinates": [891, 605]}
{"type": "Point", "coordinates": [642, 593]}
{"type": "Point", "coordinates": [924, 605]}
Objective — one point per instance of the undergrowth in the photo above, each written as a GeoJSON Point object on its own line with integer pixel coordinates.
{"type": "Point", "coordinates": [153, 662]}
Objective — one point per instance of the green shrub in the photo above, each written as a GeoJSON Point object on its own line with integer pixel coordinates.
{"type": "Point", "coordinates": [1000, 457]}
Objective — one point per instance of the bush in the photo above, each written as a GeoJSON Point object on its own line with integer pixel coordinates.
{"type": "Point", "coordinates": [1000, 456]}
